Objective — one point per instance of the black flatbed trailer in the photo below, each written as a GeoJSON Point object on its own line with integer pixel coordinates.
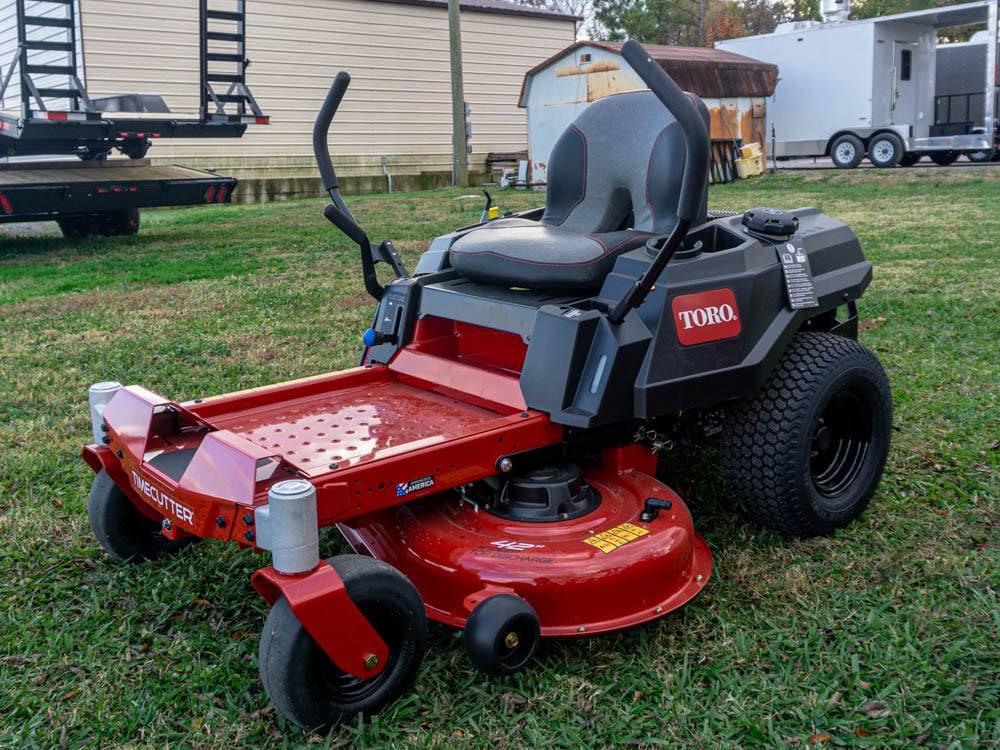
{"type": "Point", "coordinates": [103, 197]}
{"type": "Point", "coordinates": [84, 191]}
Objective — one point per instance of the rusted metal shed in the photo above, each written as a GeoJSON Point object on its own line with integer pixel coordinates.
{"type": "Point", "coordinates": [556, 90]}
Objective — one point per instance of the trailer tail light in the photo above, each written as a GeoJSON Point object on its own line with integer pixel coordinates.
{"type": "Point", "coordinates": [262, 120]}
{"type": "Point", "coordinates": [222, 194]}
{"type": "Point", "coordinates": [57, 115]}
{"type": "Point", "coordinates": [5, 204]}
{"type": "Point", "coordinates": [210, 194]}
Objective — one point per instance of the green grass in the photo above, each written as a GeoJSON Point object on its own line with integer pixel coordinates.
{"type": "Point", "coordinates": [885, 635]}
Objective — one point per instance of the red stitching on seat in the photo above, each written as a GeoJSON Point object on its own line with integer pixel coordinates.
{"type": "Point", "coordinates": [599, 258]}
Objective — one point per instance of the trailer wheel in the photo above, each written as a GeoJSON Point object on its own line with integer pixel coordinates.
{"type": "Point", "coordinates": [118, 223]}
{"type": "Point", "coordinates": [980, 157]}
{"type": "Point", "coordinates": [502, 634]}
{"type": "Point", "coordinates": [306, 687]}
{"type": "Point", "coordinates": [75, 227]}
{"type": "Point", "coordinates": [885, 150]}
{"type": "Point", "coordinates": [847, 151]}
{"type": "Point", "coordinates": [944, 158]}
{"type": "Point", "coordinates": [134, 148]}
{"type": "Point", "coordinates": [910, 158]}
{"type": "Point", "coordinates": [121, 528]}
{"type": "Point", "coordinates": [805, 454]}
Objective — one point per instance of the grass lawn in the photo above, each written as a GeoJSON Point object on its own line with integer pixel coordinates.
{"type": "Point", "coordinates": [887, 634]}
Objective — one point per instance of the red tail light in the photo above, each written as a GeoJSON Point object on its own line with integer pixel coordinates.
{"type": "Point", "coordinates": [210, 194]}
{"type": "Point", "coordinates": [57, 115]}
{"type": "Point", "coordinates": [263, 120]}
{"type": "Point", "coordinates": [5, 204]}
{"type": "Point", "coordinates": [222, 193]}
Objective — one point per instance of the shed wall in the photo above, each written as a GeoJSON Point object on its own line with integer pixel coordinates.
{"type": "Point", "coordinates": [399, 105]}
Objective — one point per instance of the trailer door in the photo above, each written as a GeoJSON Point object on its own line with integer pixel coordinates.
{"type": "Point", "coordinates": [903, 105]}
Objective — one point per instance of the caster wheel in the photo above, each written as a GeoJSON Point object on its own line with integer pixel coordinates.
{"type": "Point", "coordinates": [502, 634]}
{"type": "Point", "coordinates": [121, 528]}
{"type": "Point", "coordinates": [805, 454]}
{"type": "Point", "coordinates": [306, 687]}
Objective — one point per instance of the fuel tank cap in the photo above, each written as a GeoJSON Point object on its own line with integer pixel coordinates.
{"type": "Point", "coordinates": [771, 221]}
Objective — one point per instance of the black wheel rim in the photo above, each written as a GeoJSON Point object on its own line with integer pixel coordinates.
{"type": "Point", "coordinates": [346, 688]}
{"type": "Point", "coordinates": [516, 641]}
{"type": "Point", "coordinates": [841, 441]}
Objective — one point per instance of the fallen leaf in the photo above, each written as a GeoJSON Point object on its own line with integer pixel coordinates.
{"type": "Point", "coordinates": [511, 701]}
{"type": "Point", "coordinates": [861, 732]}
{"type": "Point", "coordinates": [982, 467]}
{"type": "Point", "coordinates": [862, 683]}
{"type": "Point", "coordinates": [819, 739]}
{"type": "Point", "coordinates": [834, 700]}
{"type": "Point", "coordinates": [202, 602]}
{"type": "Point", "coordinates": [921, 739]}
{"type": "Point", "coordinates": [636, 696]}
{"type": "Point", "coordinates": [265, 711]}
{"type": "Point", "coordinates": [877, 710]}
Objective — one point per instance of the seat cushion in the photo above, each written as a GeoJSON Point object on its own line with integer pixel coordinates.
{"type": "Point", "coordinates": [524, 253]}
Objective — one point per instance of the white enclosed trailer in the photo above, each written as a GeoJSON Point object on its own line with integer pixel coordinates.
{"type": "Point", "coordinates": [851, 88]}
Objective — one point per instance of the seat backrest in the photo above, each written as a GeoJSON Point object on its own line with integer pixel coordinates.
{"type": "Point", "coordinates": [624, 153]}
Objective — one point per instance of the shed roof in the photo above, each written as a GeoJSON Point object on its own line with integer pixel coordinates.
{"type": "Point", "coordinates": [495, 6]}
{"type": "Point", "coordinates": [703, 71]}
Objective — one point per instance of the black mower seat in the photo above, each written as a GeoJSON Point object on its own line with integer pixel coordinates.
{"type": "Point", "coordinates": [614, 181]}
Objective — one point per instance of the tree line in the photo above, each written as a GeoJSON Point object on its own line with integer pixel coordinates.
{"type": "Point", "coordinates": [701, 23]}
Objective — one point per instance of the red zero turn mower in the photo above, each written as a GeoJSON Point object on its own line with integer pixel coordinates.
{"type": "Point", "coordinates": [492, 461]}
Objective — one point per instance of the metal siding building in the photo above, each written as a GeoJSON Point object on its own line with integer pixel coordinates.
{"type": "Point", "coordinates": [399, 104]}
{"type": "Point", "coordinates": [558, 89]}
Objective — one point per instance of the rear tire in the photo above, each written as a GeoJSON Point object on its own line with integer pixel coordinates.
{"type": "Point", "coordinates": [301, 680]}
{"type": "Point", "coordinates": [980, 157]}
{"type": "Point", "coordinates": [885, 150]}
{"type": "Point", "coordinates": [122, 529]}
{"type": "Point", "coordinates": [806, 453]}
{"type": "Point", "coordinates": [944, 158]}
{"type": "Point", "coordinates": [847, 151]}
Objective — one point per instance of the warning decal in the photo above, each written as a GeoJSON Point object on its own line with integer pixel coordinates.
{"type": "Point", "coordinates": [610, 540]}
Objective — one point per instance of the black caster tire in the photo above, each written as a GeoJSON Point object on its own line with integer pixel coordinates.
{"type": "Point", "coordinates": [910, 158]}
{"type": "Point", "coordinates": [502, 634]}
{"type": "Point", "coordinates": [806, 453]}
{"type": "Point", "coordinates": [847, 151]}
{"type": "Point", "coordinates": [306, 687]}
{"type": "Point", "coordinates": [121, 528]}
{"type": "Point", "coordinates": [944, 158]}
{"type": "Point", "coordinates": [885, 150]}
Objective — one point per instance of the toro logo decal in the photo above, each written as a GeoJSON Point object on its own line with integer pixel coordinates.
{"type": "Point", "coordinates": [162, 500]}
{"type": "Point", "coordinates": [706, 316]}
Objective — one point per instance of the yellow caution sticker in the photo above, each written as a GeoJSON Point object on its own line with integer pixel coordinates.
{"type": "Point", "coordinates": [610, 540]}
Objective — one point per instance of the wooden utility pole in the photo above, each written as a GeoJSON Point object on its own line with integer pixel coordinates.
{"type": "Point", "coordinates": [459, 142]}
